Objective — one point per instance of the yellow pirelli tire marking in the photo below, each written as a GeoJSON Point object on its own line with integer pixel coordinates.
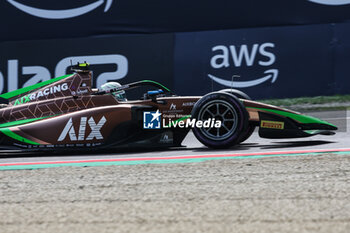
{"type": "Point", "coordinates": [272, 124]}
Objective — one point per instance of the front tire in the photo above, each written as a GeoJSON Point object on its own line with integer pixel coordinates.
{"type": "Point", "coordinates": [229, 110]}
{"type": "Point", "coordinates": [251, 128]}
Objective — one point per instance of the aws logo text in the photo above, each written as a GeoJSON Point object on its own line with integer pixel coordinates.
{"type": "Point", "coordinates": [60, 14]}
{"type": "Point", "coordinates": [243, 55]}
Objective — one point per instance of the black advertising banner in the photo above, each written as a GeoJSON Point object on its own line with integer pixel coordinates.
{"type": "Point", "coordinates": [51, 19]}
{"type": "Point", "coordinates": [341, 61]}
{"type": "Point", "coordinates": [274, 62]}
{"type": "Point", "coordinates": [123, 59]}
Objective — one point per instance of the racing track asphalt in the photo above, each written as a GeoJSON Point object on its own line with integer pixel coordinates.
{"type": "Point", "coordinates": [254, 144]}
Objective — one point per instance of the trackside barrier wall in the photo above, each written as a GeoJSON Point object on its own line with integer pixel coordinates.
{"type": "Point", "coordinates": [273, 62]}
{"type": "Point", "coordinates": [53, 19]}
{"type": "Point", "coordinates": [276, 62]}
{"type": "Point", "coordinates": [119, 58]}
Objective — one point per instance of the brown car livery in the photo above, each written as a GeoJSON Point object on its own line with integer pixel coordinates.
{"type": "Point", "coordinates": [66, 113]}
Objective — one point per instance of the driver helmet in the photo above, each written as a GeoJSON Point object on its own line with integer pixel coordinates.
{"type": "Point", "coordinates": [119, 95]}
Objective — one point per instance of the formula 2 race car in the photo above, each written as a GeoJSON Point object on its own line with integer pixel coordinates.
{"type": "Point", "coordinates": [65, 113]}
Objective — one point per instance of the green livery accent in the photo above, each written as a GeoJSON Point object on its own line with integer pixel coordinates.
{"type": "Point", "coordinates": [14, 93]}
{"type": "Point", "coordinates": [15, 136]}
{"type": "Point", "coordinates": [5, 130]}
{"type": "Point", "coordinates": [298, 117]}
{"type": "Point", "coordinates": [312, 131]}
{"type": "Point", "coordinates": [150, 81]}
{"type": "Point", "coordinates": [24, 99]}
{"type": "Point", "coordinates": [21, 122]}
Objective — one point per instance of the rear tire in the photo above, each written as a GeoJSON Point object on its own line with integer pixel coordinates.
{"type": "Point", "coordinates": [229, 110]}
{"type": "Point", "coordinates": [250, 129]}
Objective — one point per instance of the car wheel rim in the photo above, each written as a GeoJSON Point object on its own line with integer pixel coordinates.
{"type": "Point", "coordinates": [222, 111]}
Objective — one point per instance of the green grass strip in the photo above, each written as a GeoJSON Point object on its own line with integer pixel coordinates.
{"type": "Point", "coordinates": [308, 100]}
{"type": "Point", "coordinates": [165, 161]}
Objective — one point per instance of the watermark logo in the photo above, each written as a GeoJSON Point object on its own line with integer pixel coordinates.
{"type": "Point", "coordinates": [186, 122]}
{"type": "Point", "coordinates": [60, 14]}
{"type": "Point", "coordinates": [151, 120]}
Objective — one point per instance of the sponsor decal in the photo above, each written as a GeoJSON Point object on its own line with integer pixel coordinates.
{"type": "Point", "coordinates": [60, 14]}
{"type": "Point", "coordinates": [172, 109]}
{"type": "Point", "coordinates": [243, 55]}
{"type": "Point", "coordinates": [41, 93]}
{"type": "Point", "coordinates": [80, 92]}
{"type": "Point", "coordinates": [188, 104]}
{"type": "Point", "coordinates": [152, 120]}
{"type": "Point", "coordinates": [41, 73]}
{"type": "Point", "coordinates": [331, 2]}
{"type": "Point", "coordinates": [95, 130]}
{"type": "Point", "coordinates": [272, 124]}
{"type": "Point", "coordinates": [166, 138]}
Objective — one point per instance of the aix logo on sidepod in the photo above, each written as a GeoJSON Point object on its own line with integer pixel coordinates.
{"type": "Point", "coordinates": [244, 55]}
{"type": "Point", "coordinates": [60, 14]}
{"type": "Point", "coordinates": [95, 130]}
